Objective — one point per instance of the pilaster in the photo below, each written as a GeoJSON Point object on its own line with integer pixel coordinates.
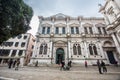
{"type": "Point", "coordinates": [86, 50]}
{"type": "Point", "coordinates": [101, 50]}
{"type": "Point", "coordinates": [116, 43]}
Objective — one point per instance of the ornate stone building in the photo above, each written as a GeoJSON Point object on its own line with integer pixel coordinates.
{"type": "Point", "coordinates": [61, 37]}
{"type": "Point", "coordinates": [20, 47]}
{"type": "Point", "coordinates": [111, 12]}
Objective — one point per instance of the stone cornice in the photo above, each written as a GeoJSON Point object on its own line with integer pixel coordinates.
{"type": "Point", "coordinates": [68, 18]}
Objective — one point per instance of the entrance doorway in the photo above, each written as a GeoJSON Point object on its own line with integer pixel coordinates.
{"type": "Point", "coordinates": [111, 57]}
{"type": "Point", "coordinates": [59, 55]}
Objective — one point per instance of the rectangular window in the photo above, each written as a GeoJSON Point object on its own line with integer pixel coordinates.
{"type": "Point", "coordinates": [43, 30]}
{"type": "Point", "coordinates": [72, 30]}
{"type": "Point", "coordinates": [85, 29]}
{"type": "Point", "coordinates": [25, 37]}
{"type": "Point", "coordinates": [20, 52]}
{"type": "Point", "coordinates": [90, 29]}
{"type": "Point", "coordinates": [4, 52]}
{"type": "Point", "coordinates": [48, 30]}
{"type": "Point", "coordinates": [99, 30]}
{"type": "Point", "coordinates": [63, 30]}
{"type": "Point", "coordinates": [13, 53]}
{"type": "Point", "coordinates": [77, 30]}
{"type": "Point", "coordinates": [16, 44]}
{"type": "Point", "coordinates": [104, 30]}
{"type": "Point", "coordinates": [57, 30]}
{"type": "Point", "coordinates": [23, 44]}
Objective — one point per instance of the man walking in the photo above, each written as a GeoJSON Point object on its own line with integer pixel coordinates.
{"type": "Point", "coordinates": [99, 66]}
{"type": "Point", "coordinates": [103, 66]}
{"type": "Point", "coordinates": [62, 65]}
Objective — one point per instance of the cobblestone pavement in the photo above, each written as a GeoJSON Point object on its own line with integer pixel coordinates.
{"type": "Point", "coordinates": [54, 73]}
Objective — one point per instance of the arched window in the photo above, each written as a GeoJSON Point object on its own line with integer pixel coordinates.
{"type": "Point", "coordinates": [76, 49]}
{"type": "Point", "coordinates": [43, 48]}
{"type": "Point", "coordinates": [90, 49]}
{"type": "Point", "coordinates": [79, 50]}
{"type": "Point", "coordinates": [93, 49]}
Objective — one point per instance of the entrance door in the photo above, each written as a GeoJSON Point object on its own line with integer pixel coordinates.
{"type": "Point", "coordinates": [111, 57]}
{"type": "Point", "coordinates": [59, 55]}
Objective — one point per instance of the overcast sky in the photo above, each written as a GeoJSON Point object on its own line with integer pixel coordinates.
{"type": "Point", "coordinates": [86, 8]}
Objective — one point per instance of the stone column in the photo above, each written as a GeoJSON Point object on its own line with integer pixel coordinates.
{"type": "Point", "coordinates": [86, 50]}
{"type": "Point", "coordinates": [102, 30]}
{"type": "Point", "coordinates": [82, 28]}
{"type": "Point", "coordinates": [51, 52]}
{"type": "Point", "coordinates": [10, 53]}
{"type": "Point", "coordinates": [116, 43]}
{"type": "Point", "coordinates": [68, 28]}
{"type": "Point", "coordinates": [118, 37]}
{"type": "Point", "coordinates": [17, 53]}
{"type": "Point", "coordinates": [95, 31]}
{"type": "Point", "coordinates": [51, 48]}
{"type": "Point", "coordinates": [52, 29]}
{"type": "Point", "coordinates": [69, 53]}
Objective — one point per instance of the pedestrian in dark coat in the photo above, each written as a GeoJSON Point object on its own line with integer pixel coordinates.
{"type": "Point", "coordinates": [103, 66]}
{"type": "Point", "coordinates": [69, 63]}
{"type": "Point", "coordinates": [36, 64]}
{"type": "Point", "coordinates": [99, 66]}
{"type": "Point", "coordinates": [62, 65]}
{"type": "Point", "coordinates": [14, 63]}
{"type": "Point", "coordinates": [86, 64]}
{"type": "Point", "coordinates": [10, 63]}
{"type": "Point", "coordinates": [17, 64]}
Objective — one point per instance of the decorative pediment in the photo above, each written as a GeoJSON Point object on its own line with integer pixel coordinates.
{"type": "Point", "coordinates": [60, 25]}
{"type": "Point", "coordinates": [46, 24]}
{"type": "Point", "coordinates": [100, 25]}
{"type": "Point", "coordinates": [74, 24]}
{"type": "Point", "coordinates": [60, 41]}
{"type": "Point", "coordinates": [60, 16]}
{"type": "Point", "coordinates": [87, 25]}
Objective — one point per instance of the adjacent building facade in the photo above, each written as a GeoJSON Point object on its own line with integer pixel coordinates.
{"type": "Point", "coordinates": [20, 47]}
{"type": "Point", "coordinates": [111, 13]}
{"type": "Point", "coordinates": [61, 37]}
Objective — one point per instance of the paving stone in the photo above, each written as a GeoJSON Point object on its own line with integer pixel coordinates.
{"type": "Point", "coordinates": [54, 73]}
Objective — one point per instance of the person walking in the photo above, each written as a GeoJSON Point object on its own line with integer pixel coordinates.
{"type": "Point", "coordinates": [103, 66]}
{"type": "Point", "coordinates": [36, 64]}
{"type": "Point", "coordinates": [99, 66]}
{"type": "Point", "coordinates": [62, 65]}
{"type": "Point", "coordinates": [86, 64]}
{"type": "Point", "coordinates": [14, 63]}
{"type": "Point", "coordinates": [17, 64]}
{"type": "Point", "coordinates": [69, 63]}
{"type": "Point", "coordinates": [10, 63]}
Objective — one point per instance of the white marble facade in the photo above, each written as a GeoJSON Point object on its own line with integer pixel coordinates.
{"type": "Point", "coordinates": [111, 13]}
{"type": "Point", "coordinates": [61, 37]}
